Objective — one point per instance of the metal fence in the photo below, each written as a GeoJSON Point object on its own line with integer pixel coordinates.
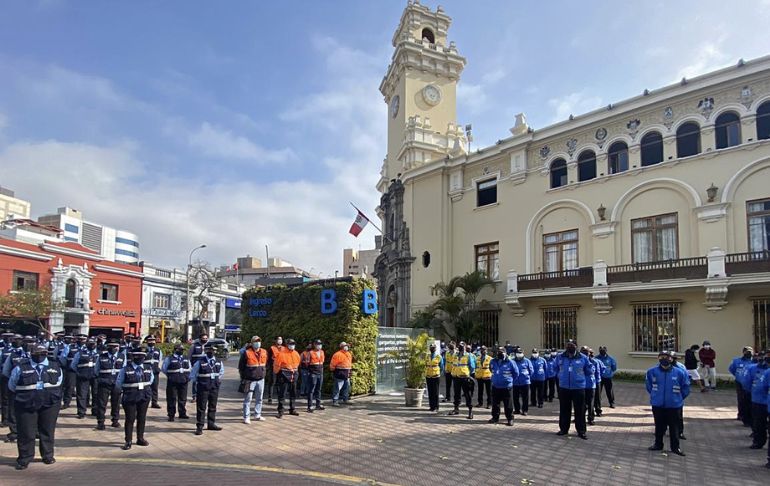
{"type": "Point", "coordinates": [390, 373]}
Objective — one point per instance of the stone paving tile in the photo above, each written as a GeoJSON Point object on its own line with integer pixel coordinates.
{"type": "Point", "coordinates": [379, 439]}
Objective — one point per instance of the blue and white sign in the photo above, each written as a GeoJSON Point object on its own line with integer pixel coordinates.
{"type": "Point", "coordinates": [233, 303]}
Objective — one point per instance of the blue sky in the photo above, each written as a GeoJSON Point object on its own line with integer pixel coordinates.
{"type": "Point", "coordinates": [243, 123]}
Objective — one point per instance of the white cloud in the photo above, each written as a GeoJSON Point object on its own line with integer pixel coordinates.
{"type": "Point", "coordinates": [219, 142]}
{"type": "Point", "coordinates": [709, 56]}
{"type": "Point", "coordinates": [573, 104]}
{"type": "Point", "coordinates": [472, 97]}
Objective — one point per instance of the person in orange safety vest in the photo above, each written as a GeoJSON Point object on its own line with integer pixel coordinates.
{"type": "Point", "coordinates": [287, 365]}
{"type": "Point", "coordinates": [341, 367]}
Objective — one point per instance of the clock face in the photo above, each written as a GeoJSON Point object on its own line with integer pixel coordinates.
{"type": "Point", "coordinates": [431, 94]}
{"type": "Point", "coordinates": [394, 106]}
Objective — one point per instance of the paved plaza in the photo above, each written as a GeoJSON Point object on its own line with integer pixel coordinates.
{"type": "Point", "coordinates": [379, 441]}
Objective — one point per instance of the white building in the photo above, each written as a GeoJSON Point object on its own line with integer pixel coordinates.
{"type": "Point", "coordinates": [11, 206]}
{"type": "Point", "coordinates": [113, 244]}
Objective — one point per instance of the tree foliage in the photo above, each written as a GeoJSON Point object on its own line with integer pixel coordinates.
{"type": "Point", "coordinates": [454, 313]}
{"type": "Point", "coordinates": [296, 313]}
{"type": "Point", "coordinates": [33, 305]}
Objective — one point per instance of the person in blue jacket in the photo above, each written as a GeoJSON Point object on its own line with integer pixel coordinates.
{"type": "Point", "coordinates": [572, 368]}
{"type": "Point", "coordinates": [668, 386]}
{"type": "Point", "coordinates": [738, 369]}
{"type": "Point", "coordinates": [598, 372]}
{"type": "Point", "coordinates": [539, 374]}
{"type": "Point", "coordinates": [590, 385]}
{"type": "Point", "coordinates": [521, 383]}
{"type": "Point", "coordinates": [755, 376]}
{"type": "Point", "coordinates": [675, 359]}
{"type": "Point", "coordinates": [550, 373]}
{"type": "Point", "coordinates": [504, 372]}
{"type": "Point", "coordinates": [765, 388]}
{"type": "Point", "coordinates": [610, 367]}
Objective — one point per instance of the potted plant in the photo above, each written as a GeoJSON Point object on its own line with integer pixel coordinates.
{"type": "Point", "coordinates": [415, 358]}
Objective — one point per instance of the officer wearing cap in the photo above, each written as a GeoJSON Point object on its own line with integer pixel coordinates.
{"type": "Point", "coordinates": [177, 369]}
{"type": "Point", "coordinates": [315, 369]}
{"type": "Point", "coordinates": [668, 386]}
{"type": "Point", "coordinates": [207, 374]}
{"type": "Point", "coordinates": [134, 381]}
{"type": "Point", "coordinates": [54, 345]}
{"type": "Point", "coordinates": [125, 343]}
{"type": "Point", "coordinates": [13, 357]}
{"type": "Point", "coordinates": [107, 368]}
{"type": "Point", "coordinates": [5, 349]}
{"type": "Point", "coordinates": [84, 365]}
{"type": "Point", "coordinates": [738, 368]}
{"type": "Point", "coordinates": [287, 365]}
{"type": "Point", "coordinates": [154, 359]}
{"type": "Point", "coordinates": [36, 385]}
{"type": "Point", "coordinates": [101, 343]}
{"type": "Point", "coordinates": [71, 348]}
{"type": "Point", "coordinates": [572, 369]}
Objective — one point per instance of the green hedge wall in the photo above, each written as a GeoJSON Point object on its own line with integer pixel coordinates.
{"type": "Point", "coordinates": [296, 313]}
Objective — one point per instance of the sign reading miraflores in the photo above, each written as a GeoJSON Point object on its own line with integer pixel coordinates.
{"type": "Point", "coordinates": [259, 306]}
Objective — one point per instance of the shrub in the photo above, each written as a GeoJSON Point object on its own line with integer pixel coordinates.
{"type": "Point", "coordinates": [415, 358]}
{"type": "Point", "coordinates": [296, 313]}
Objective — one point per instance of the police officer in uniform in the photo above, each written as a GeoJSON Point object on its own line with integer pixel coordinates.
{"type": "Point", "coordinates": [572, 369]}
{"type": "Point", "coordinates": [177, 369]}
{"type": "Point", "coordinates": [463, 367]}
{"type": "Point", "coordinates": [108, 368]}
{"type": "Point", "coordinates": [36, 385]}
{"type": "Point", "coordinates": [5, 349]}
{"type": "Point", "coordinates": [738, 369]}
{"type": "Point", "coordinates": [668, 386]}
{"type": "Point", "coordinates": [84, 365]}
{"type": "Point", "coordinates": [66, 357]}
{"type": "Point", "coordinates": [12, 359]}
{"type": "Point", "coordinates": [208, 374]}
{"type": "Point", "coordinates": [433, 368]}
{"type": "Point", "coordinates": [135, 380]}
{"type": "Point", "coordinates": [484, 377]}
{"type": "Point", "coordinates": [449, 359]}
{"type": "Point", "coordinates": [154, 359]}
{"type": "Point", "coordinates": [197, 354]}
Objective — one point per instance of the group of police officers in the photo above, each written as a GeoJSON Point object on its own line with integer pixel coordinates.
{"type": "Point", "coordinates": [40, 376]}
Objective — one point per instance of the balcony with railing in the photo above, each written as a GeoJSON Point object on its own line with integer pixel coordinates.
{"type": "Point", "coordinates": [750, 262]}
{"type": "Point", "coordinates": [687, 268]}
{"type": "Point", "coordinates": [578, 277]}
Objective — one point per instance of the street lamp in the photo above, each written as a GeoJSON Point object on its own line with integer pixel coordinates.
{"type": "Point", "coordinates": [187, 306]}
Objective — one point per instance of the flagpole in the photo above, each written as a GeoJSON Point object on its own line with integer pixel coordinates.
{"type": "Point", "coordinates": [372, 222]}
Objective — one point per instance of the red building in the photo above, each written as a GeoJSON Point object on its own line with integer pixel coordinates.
{"type": "Point", "coordinates": [96, 295]}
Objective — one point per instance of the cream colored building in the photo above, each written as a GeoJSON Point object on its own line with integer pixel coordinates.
{"type": "Point", "coordinates": [11, 206]}
{"type": "Point", "coordinates": [358, 263]}
{"type": "Point", "coordinates": [640, 226]}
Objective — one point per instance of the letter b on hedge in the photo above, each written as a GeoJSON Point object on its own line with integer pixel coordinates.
{"type": "Point", "coordinates": [370, 302]}
{"type": "Point", "coordinates": [328, 301]}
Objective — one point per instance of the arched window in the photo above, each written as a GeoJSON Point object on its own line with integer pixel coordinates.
{"type": "Point", "coordinates": [618, 157]}
{"type": "Point", "coordinates": [69, 293]}
{"type": "Point", "coordinates": [586, 166]}
{"type": "Point", "coordinates": [428, 34]}
{"type": "Point", "coordinates": [558, 173]}
{"type": "Point", "coordinates": [688, 140]}
{"type": "Point", "coordinates": [728, 130]}
{"type": "Point", "coordinates": [763, 121]}
{"type": "Point", "coordinates": [652, 149]}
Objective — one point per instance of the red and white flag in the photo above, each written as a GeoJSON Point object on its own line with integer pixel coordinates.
{"type": "Point", "coordinates": [359, 224]}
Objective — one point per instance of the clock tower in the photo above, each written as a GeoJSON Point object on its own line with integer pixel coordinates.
{"type": "Point", "coordinates": [420, 88]}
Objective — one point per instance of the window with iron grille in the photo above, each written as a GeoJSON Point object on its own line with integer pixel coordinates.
{"type": "Point", "coordinates": [655, 239]}
{"type": "Point", "coordinates": [490, 321]}
{"type": "Point", "coordinates": [560, 251]}
{"type": "Point", "coordinates": [559, 326]}
{"type": "Point", "coordinates": [656, 326]}
{"type": "Point", "coordinates": [488, 259]}
{"type": "Point", "coordinates": [761, 322]}
{"type": "Point", "coordinates": [24, 280]}
{"type": "Point", "coordinates": [758, 214]}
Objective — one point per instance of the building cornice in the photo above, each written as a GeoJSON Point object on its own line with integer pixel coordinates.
{"type": "Point", "coordinates": [118, 271]}
{"type": "Point", "coordinates": [71, 252]}
{"type": "Point", "coordinates": [19, 252]}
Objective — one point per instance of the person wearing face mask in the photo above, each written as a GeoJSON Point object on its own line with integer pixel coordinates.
{"type": "Point", "coordinates": [572, 368]}
{"type": "Point", "coordinates": [107, 368]}
{"type": "Point", "coordinates": [433, 367]}
{"type": "Point", "coordinates": [537, 381]}
{"type": "Point", "coordinates": [5, 349]}
{"type": "Point", "coordinates": [208, 374]}
{"type": "Point", "coordinates": [484, 377]}
{"type": "Point", "coordinates": [449, 358]}
{"type": "Point", "coordinates": [341, 367]}
{"type": "Point", "coordinates": [252, 367]}
{"type": "Point", "coordinates": [668, 386]}
{"type": "Point", "coordinates": [610, 367]}
{"type": "Point", "coordinates": [197, 354]}
{"type": "Point", "coordinates": [764, 389]}
{"type": "Point", "coordinates": [154, 359]}
{"type": "Point", "coordinates": [504, 372]}
{"type": "Point", "coordinates": [592, 381]}
{"type": "Point", "coordinates": [550, 374]}
{"type": "Point", "coordinates": [691, 364]}
{"type": "Point", "coordinates": [101, 343]}
{"type": "Point", "coordinates": [84, 365]}
{"type": "Point", "coordinates": [738, 369]}
{"type": "Point", "coordinates": [756, 377]}
{"type": "Point", "coordinates": [287, 364]}
{"type": "Point", "coordinates": [272, 376]}
{"type": "Point", "coordinates": [13, 357]}
{"type": "Point", "coordinates": [134, 381]}
{"type": "Point", "coordinates": [462, 370]}
{"type": "Point", "coordinates": [66, 357]}
{"type": "Point", "coordinates": [675, 360]}
{"type": "Point", "coordinates": [304, 358]}
{"type": "Point", "coordinates": [36, 386]}
{"type": "Point", "coordinates": [708, 371]}
{"type": "Point", "coordinates": [521, 382]}
{"type": "Point", "coordinates": [125, 343]}
{"type": "Point", "coordinates": [315, 376]}
{"type": "Point", "coordinates": [177, 369]}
